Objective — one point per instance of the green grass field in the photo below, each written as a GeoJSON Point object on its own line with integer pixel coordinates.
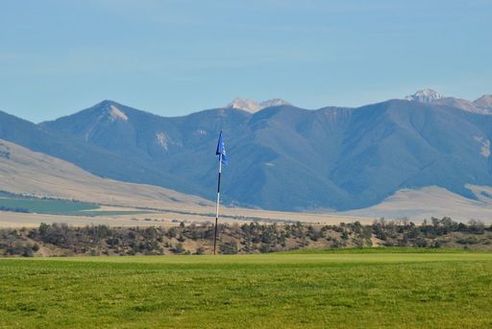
{"type": "Point", "coordinates": [59, 207]}
{"type": "Point", "coordinates": [45, 206]}
{"type": "Point", "coordinates": [348, 289]}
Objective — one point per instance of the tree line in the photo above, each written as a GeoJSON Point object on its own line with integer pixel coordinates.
{"type": "Point", "coordinates": [254, 237]}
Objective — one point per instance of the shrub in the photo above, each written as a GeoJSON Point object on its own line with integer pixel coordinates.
{"type": "Point", "coordinates": [228, 248]}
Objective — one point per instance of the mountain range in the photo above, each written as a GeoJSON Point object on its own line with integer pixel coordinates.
{"type": "Point", "coordinates": [282, 157]}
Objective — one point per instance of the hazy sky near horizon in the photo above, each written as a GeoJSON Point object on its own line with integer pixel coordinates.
{"type": "Point", "coordinates": [176, 57]}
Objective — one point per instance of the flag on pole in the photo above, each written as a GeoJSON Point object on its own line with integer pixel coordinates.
{"type": "Point", "coordinates": [221, 152]}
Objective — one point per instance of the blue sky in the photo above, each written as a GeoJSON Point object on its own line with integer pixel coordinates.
{"type": "Point", "coordinates": [177, 57]}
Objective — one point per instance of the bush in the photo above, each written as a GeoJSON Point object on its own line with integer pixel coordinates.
{"type": "Point", "coordinates": [200, 251]}
{"type": "Point", "coordinates": [178, 248]}
{"type": "Point", "coordinates": [228, 248]}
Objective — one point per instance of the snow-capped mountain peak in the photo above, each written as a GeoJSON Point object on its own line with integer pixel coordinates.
{"type": "Point", "coordinates": [273, 102]}
{"type": "Point", "coordinates": [425, 96]}
{"type": "Point", "coordinates": [111, 110]}
{"type": "Point", "coordinates": [244, 104]}
{"type": "Point", "coordinates": [254, 106]}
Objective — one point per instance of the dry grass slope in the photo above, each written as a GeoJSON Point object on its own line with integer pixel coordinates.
{"type": "Point", "coordinates": [26, 172]}
{"type": "Point", "coordinates": [433, 201]}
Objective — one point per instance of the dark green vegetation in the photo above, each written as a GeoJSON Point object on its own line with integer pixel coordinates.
{"type": "Point", "coordinates": [26, 204]}
{"type": "Point", "coordinates": [282, 157]}
{"type": "Point", "coordinates": [64, 240]}
{"type": "Point", "coordinates": [330, 290]}
{"type": "Point", "coordinates": [17, 203]}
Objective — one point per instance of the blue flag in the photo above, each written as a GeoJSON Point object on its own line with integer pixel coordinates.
{"type": "Point", "coordinates": [221, 149]}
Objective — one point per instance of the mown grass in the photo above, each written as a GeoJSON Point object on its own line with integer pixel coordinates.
{"type": "Point", "coordinates": [314, 290]}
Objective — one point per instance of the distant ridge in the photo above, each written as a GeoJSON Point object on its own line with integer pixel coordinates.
{"type": "Point", "coordinates": [282, 157]}
{"type": "Point", "coordinates": [484, 102]}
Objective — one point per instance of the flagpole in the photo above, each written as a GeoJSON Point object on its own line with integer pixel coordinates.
{"type": "Point", "coordinates": [217, 205]}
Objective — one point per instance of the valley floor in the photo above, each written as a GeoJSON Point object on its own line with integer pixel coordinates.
{"type": "Point", "coordinates": [396, 288]}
